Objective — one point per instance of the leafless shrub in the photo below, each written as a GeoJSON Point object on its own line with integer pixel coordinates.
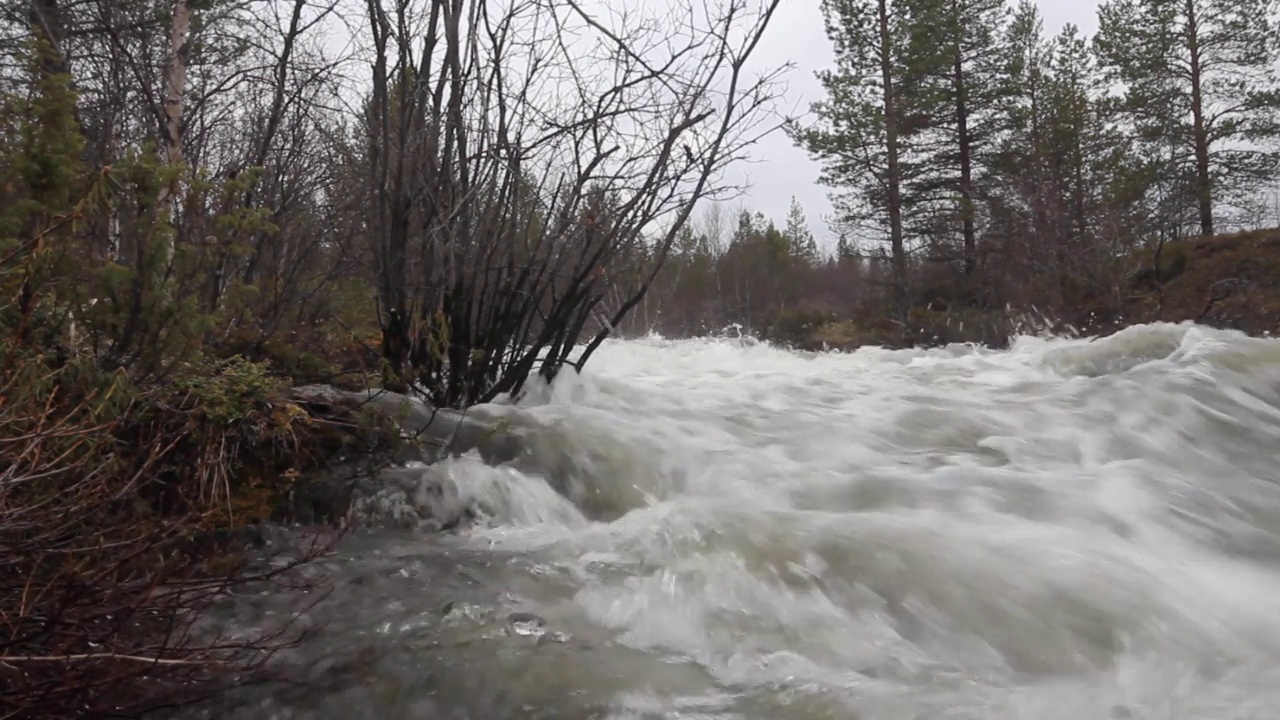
{"type": "Point", "coordinates": [114, 542]}
{"type": "Point", "coordinates": [519, 151]}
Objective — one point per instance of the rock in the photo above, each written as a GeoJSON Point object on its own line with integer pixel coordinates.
{"type": "Point", "coordinates": [355, 486]}
{"type": "Point", "coordinates": [430, 432]}
{"type": "Point", "coordinates": [414, 498]}
{"type": "Point", "coordinates": [324, 496]}
{"type": "Point", "coordinates": [521, 623]}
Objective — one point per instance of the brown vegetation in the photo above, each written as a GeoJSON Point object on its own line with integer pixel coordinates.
{"type": "Point", "coordinates": [115, 507]}
{"type": "Point", "coordinates": [202, 204]}
{"type": "Point", "coordinates": [786, 294]}
{"type": "Point", "coordinates": [1230, 281]}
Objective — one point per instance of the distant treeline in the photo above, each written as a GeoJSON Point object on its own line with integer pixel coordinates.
{"type": "Point", "coordinates": [976, 163]}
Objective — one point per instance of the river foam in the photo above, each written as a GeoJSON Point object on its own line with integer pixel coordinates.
{"type": "Point", "coordinates": [1065, 529]}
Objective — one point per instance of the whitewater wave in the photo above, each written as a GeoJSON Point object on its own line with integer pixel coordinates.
{"type": "Point", "coordinates": [1067, 528]}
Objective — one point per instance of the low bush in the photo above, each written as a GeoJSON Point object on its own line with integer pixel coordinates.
{"type": "Point", "coordinates": [798, 327]}
{"type": "Point", "coordinates": [114, 502]}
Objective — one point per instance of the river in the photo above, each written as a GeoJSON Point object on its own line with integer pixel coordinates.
{"type": "Point", "coordinates": [1067, 529]}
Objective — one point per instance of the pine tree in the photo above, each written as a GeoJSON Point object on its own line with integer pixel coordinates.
{"type": "Point", "coordinates": [1023, 160]}
{"type": "Point", "coordinates": [961, 69]}
{"type": "Point", "coordinates": [858, 133]}
{"type": "Point", "coordinates": [1066, 173]}
{"type": "Point", "coordinates": [1077, 137]}
{"type": "Point", "coordinates": [40, 148]}
{"type": "Point", "coordinates": [1201, 85]}
{"type": "Point", "coordinates": [1080, 152]}
{"type": "Point", "coordinates": [40, 176]}
{"type": "Point", "coordinates": [845, 249]}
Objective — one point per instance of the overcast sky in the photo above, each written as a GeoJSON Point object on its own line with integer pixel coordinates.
{"type": "Point", "coordinates": [795, 35]}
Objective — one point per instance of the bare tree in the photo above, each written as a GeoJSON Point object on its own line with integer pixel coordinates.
{"type": "Point", "coordinates": [516, 151]}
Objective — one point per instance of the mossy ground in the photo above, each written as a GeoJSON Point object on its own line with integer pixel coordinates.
{"type": "Point", "coordinates": [1229, 281]}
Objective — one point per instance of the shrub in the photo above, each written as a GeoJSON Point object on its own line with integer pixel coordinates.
{"type": "Point", "coordinates": [799, 327]}
{"type": "Point", "coordinates": [126, 454]}
{"type": "Point", "coordinates": [111, 495]}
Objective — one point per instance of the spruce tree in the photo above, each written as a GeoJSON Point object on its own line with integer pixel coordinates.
{"type": "Point", "coordinates": [857, 135]}
{"type": "Point", "coordinates": [960, 68]}
{"type": "Point", "coordinates": [798, 236]}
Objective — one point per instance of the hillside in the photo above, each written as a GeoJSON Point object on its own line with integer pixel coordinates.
{"type": "Point", "coordinates": [1229, 281]}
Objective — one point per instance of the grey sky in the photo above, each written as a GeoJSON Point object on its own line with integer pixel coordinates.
{"type": "Point", "coordinates": [779, 169]}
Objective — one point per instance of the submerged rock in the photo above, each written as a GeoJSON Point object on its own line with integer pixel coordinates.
{"type": "Point", "coordinates": [409, 498]}
{"type": "Point", "coordinates": [356, 484]}
{"type": "Point", "coordinates": [374, 478]}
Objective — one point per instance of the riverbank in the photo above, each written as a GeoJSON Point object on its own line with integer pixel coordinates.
{"type": "Point", "coordinates": [1229, 282]}
{"type": "Point", "coordinates": [132, 509]}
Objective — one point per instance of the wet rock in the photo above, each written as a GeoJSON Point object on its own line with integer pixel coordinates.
{"type": "Point", "coordinates": [535, 626]}
{"type": "Point", "coordinates": [525, 620]}
{"type": "Point", "coordinates": [428, 433]}
{"type": "Point", "coordinates": [414, 498]}
{"type": "Point", "coordinates": [323, 496]}
{"type": "Point", "coordinates": [356, 486]}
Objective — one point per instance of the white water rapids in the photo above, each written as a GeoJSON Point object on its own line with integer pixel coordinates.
{"type": "Point", "coordinates": [1068, 529]}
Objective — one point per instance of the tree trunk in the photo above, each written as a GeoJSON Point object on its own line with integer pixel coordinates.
{"type": "Point", "coordinates": [175, 86]}
{"type": "Point", "coordinates": [965, 143]}
{"type": "Point", "coordinates": [46, 18]}
{"type": "Point", "coordinates": [147, 280]}
{"type": "Point", "coordinates": [280, 93]}
{"type": "Point", "coordinates": [1204, 184]}
{"type": "Point", "coordinates": [894, 180]}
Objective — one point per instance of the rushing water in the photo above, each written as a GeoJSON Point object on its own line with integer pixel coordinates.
{"type": "Point", "coordinates": [1067, 529]}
